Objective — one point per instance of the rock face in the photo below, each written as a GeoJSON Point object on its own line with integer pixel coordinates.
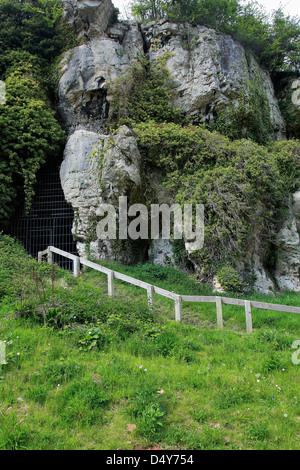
{"type": "Point", "coordinates": [122, 168]}
{"type": "Point", "coordinates": [86, 73]}
{"type": "Point", "coordinates": [96, 170]}
{"type": "Point", "coordinates": [79, 174]}
{"type": "Point", "coordinates": [90, 18]}
{"type": "Point", "coordinates": [209, 71]}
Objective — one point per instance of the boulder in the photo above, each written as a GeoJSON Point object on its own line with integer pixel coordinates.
{"type": "Point", "coordinates": [90, 18]}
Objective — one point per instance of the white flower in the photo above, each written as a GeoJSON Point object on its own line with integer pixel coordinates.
{"type": "Point", "coordinates": [285, 415]}
{"type": "Point", "coordinates": [141, 367]}
{"type": "Point", "coordinates": [145, 370]}
{"type": "Point", "coordinates": [18, 354]}
{"type": "Point", "coordinates": [258, 380]}
{"type": "Point", "coordinates": [283, 370]}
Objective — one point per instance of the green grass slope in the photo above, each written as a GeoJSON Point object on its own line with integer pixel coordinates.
{"type": "Point", "coordinates": [84, 371]}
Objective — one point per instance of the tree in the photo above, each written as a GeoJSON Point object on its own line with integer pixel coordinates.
{"type": "Point", "coordinates": [31, 25]}
{"type": "Point", "coordinates": [283, 51]}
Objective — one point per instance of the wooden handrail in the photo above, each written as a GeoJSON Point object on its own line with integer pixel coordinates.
{"type": "Point", "coordinates": [178, 299]}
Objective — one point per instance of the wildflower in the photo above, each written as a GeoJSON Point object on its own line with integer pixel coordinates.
{"type": "Point", "coordinates": [258, 380]}
{"type": "Point", "coordinates": [141, 367]}
{"type": "Point", "coordinates": [145, 370]}
{"type": "Point", "coordinates": [18, 354]}
{"type": "Point", "coordinates": [285, 415]}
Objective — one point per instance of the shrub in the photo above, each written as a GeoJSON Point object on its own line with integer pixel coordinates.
{"type": "Point", "coordinates": [230, 279]}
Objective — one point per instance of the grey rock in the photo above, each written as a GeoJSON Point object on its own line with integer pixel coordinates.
{"type": "Point", "coordinates": [209, 70]}
{"type": "Point", "coordinates": [90, 18]}
{"type": "Point", "coordinates": [122, 168]}
{"type": "Point", "coordinates": [79, 174]}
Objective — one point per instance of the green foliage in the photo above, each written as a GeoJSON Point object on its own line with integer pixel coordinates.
{"type": "Point", "coordinates": [283, 48]}
{"type": "Point", "coordinates": [35, 26]}
{"type": "Point", "coordinates": [21, 277]}
{"type": "Point", "coordinates": [32, 36]}
{"type": "Point", "coordinates": [29, 133]}
{"type": "Point", "coordinates": [242, 185]}
{"type": "Point", "coordinates": [250, 118]}
{"type": "Point", "coordinates": [230, 279]}
{"type": "Point", "coordinates": [213, 13]}
{"type": "Point", "coordinates": [143, 94]}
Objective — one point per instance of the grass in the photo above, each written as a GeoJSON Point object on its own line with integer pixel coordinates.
{"type": "Point", "coordinates": [87, 372]}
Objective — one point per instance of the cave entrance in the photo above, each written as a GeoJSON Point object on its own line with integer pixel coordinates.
{"type": "Point", "coordinates": [50, 219]}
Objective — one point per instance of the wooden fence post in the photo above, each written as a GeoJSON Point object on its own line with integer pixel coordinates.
{"type": "Point", "coordinates": [248, 316]}
{"type": "Point", "coordinates": [40, 256]}
{"type": "Point", "coordinates": [49, 255]}
{"type": "Point", "coordinates": [150, 295]}
{"type": "Point", "coordinates": [76, 266]}
{"type": "Point", "coordinates": [178, 308]}
{"type": "Point", "coordinates": [219, 312]}
{"type": "Point", "coordinates": [110, 283]}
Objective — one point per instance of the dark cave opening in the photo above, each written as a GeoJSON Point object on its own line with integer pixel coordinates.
{"type": "Point", "coordinates": [50, 219]}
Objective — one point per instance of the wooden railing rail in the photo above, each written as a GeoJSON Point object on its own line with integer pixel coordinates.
{"type": "Point", "coordinates": [178, 299]}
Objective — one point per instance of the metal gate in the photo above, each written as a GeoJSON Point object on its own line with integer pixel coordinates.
{"type": "Point", "coordinates": [49, 221]}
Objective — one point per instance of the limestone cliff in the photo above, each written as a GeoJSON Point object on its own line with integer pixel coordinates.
{"type": "Point", "coordinates": [209, 71]}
